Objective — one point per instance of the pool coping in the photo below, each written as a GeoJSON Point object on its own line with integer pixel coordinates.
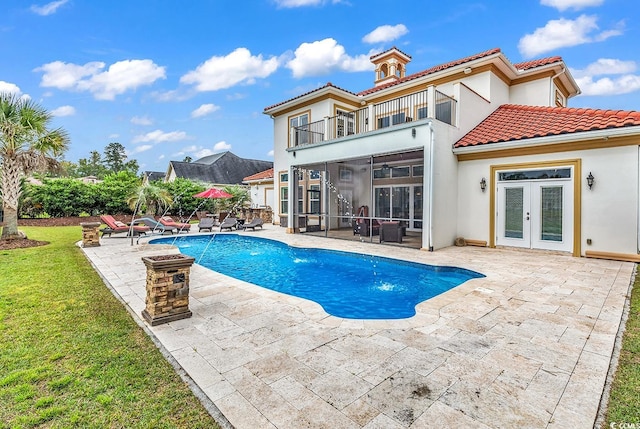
{"type": "Point", "coordinates": [469, 337]}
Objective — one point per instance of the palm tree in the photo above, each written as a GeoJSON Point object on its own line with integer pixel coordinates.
{"type": "Point", "coordinates": [151, 199]}
{"type": "Point", "coordinates": [26, 145]}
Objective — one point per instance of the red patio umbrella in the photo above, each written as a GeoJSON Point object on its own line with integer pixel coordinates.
{"type": "Point", "coordinates": [213, 193]}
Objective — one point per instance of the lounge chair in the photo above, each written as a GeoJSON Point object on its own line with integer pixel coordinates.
{"type": "Point", "coordinates": [116, 227]}
{"type": "Point", "coordinates": [168, 222]}
{"type": "Point", "coordinates": [229, 223]}
{"type": "Point", "coordinates": [206, 223]}
{"type": "Point", "coordinates": [155, 225]}
{"type": "Point", "coordinates": [256, 221]}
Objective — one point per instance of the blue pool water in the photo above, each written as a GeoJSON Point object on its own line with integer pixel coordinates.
{"type": "Point", "coordinates": [347, 285]}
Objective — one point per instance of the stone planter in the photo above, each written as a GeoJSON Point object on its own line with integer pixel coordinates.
{"type": "Point", "coordinates": [167, 288]}
{"type": "Point", "coordinates": [90, 234]}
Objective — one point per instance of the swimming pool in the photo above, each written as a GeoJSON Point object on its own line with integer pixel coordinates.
{"type": "Point", "coordinates": [347, 285]}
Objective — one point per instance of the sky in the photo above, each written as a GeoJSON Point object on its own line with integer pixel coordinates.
{"type": "Point", "coordinates": [170, 79]}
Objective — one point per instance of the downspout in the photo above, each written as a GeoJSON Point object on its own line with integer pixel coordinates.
{"type": "Point", "coordinates": [431, 144]}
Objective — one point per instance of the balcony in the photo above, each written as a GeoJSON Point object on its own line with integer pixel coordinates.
{"type": "Point", "coordinates": [378, 116]}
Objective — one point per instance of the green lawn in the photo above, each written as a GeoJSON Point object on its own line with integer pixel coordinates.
{"type": "Point", "coordinates": [71, 355]}
{"type": "Point", "coordinates": [624, 402]}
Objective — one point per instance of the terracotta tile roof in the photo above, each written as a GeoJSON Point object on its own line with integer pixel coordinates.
{"type": "Point", "coordinates": [537, 63]}
{"type": "Point", "coordinates": [266, 174]}
{"type": "Point", "coordinates": [431, 71]}
{"type": "Point", "coordinates": [329, 84]}
{"type": "Point", "coordinates": [514, 122]}
{"type": "Point", "coordinates": [389, 50]}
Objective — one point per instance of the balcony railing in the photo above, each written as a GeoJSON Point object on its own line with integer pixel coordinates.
{"type": "Point", "coordinates": [377, 116]}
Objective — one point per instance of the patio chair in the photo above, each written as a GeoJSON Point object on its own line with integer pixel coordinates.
{"type": "Point", "coordinates": [168, 222]}
{"type": "Point", "coordinates": [256, 221]}
{"type": "Point", "coordinates": [391, 232]}
{"type": "Point", "coordinates": [155, 226]}
{"type": "Point", "coordinates": [362, 227]}
{"type": "Point", "coordinates": [206, 223]}
{"type": "Point", "coordinates": [229, 223]}
{"type": "Point", "coordinates": [117, 227]}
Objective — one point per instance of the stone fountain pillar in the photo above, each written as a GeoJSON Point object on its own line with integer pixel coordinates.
{"type": "Point", "coordinates": [90, 234]}
{"type": "Point", "coordinates": [167, 288]}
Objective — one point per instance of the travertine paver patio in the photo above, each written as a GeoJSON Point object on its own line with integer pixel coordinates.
{"type": "Point", "coordinates": [528, 346]}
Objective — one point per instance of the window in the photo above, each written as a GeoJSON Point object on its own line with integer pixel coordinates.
{"type": "Point", "coordinates": [302, 132]}
{"type": "Point", "coordinates": [284, 177]}
{"type": "Point", "coordinates": [396, 118]}
{"type": "Point", "coordinates": [300, 200]}
{"type": "Point", "coordinates": [559, 99]}
{"type": "Point", "coordinates": [314, 174]}
{"type": "Point", "coordinates": [284, 200]}
{"type": "Point", "coordinates": [403, 171]}
{"type": "Point", "coordinates": [382, 173]}
{"type": "Point", "coordinates": [313, 196]}
{"type": "Point", "coordinates": [418, 170]}
{"type": "Point", "coordinates": [345, 123]}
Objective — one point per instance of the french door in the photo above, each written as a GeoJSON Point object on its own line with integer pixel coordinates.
{"type": "Point", "coordinates": [402, 203]}
{"type": "Point", "coordinates": [535, 214]}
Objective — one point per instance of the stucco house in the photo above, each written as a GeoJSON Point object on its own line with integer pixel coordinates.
{"type": "Point", "coordinates": [261, 188]}
{"type": "Point", "coordinates": [479, 148]}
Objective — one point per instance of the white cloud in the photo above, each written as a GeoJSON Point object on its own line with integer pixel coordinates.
{"type": "Point", "coordinates": [625, 82]}
{"type": "Point", "coordinates": [563, 5]}
{"type": "Point", "coordinates": [385, 33]}
{"type": "Point", "coordinates": [224, 72]}
{"type": "Point", "coordinates": [64, 111]}
{"type": "Point", "coordinates": [9, 88]}
{"type": "Point", "coordinates": [606, 66]}
{"type": "Point", "coordinates": [270, 153]}
{"type": "Point", "coordinates": [159, 136]}
{"type": "Point", "coordinates": [119, 78]}
{"type": "Point", "coordinates": [141, 120]}
{"type": "Point", "coordinates": [141, 148]}
{"type": "Point", "coordinates": [114, 136]}
{"type": "Point", "coordinates": [171, 95]}
{"type": "Point", "coordinates": [324, 56]}
{"type": "Point", "coordinates": [204, 110]}
{"type": "Point", "coordinates": [222, 145]}
{"type": "Point", "coordinates": [203, 152]}
{"type": "Point", "coordinates": [49, 8]}
{"type": "Point", "coordinates": [563, 33]}
{"type": "Point", "coordinates": [607, 86]}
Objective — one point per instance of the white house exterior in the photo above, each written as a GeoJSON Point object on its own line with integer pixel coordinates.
{"type": "Point", "coordinates": [261, 189]}
{"type": "Point", "coordinates": [414, 150]}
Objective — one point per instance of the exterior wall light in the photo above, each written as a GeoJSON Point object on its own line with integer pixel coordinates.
{"type": "Point", "coordinates": [413, 132]}
{"type": "Point", "coordinates": [590, 180]}
{"type": "Point", "coordinates": [483, 184]}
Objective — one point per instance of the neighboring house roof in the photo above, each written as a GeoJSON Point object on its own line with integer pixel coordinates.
{"type": "Point", "coordinates": [223, 168]}
{"type": "Point", "coordinates": [266, 174]}
{"type": "Point", "coordinates": [514, 122]}
{"type": "Point", "coordinates": [154, 175]}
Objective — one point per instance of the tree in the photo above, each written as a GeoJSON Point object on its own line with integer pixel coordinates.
{"type": "Point", "coordinates": [92, 166]}
{"type": "Point", "coordinates": [239, 199]}
{"type": "Point", "coordinates": [26, 145]}
{"type": "Point", "coordinates": [150, 199]}
{"type": "Point", "coordinates": [115, 159]}
{"type": "Point", "coordinates": [187, 159]}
